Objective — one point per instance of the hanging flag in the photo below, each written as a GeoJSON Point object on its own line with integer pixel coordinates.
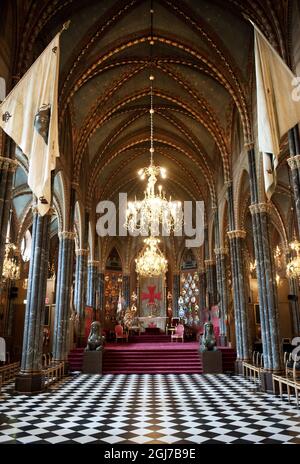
{"type": "Point", "coordinates": [29, 116]}
{"type": "Point", "coordinates": [277, 110]}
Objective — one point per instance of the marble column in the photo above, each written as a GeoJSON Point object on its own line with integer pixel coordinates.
{"type": "Point", "coordinates": [101, 291]}
{"type": "Point", "coordinates": [80, 288]}
{"type": "Point", "coordinates": [63, 294]}
{"type": "Point", "coordinates": [223, 291]}
{"type": "Point", "coordinates": [267, 289]}
{"type": "Point", "coordinates": [7, 169]}
{"type": "Point", "coordinates": [176, 293]}
{"type": "Point", "coordinates": [126, 290]}
{"type": "Point", "coordinates": [294, 164]}
{"type": "Point", "coordinates": [80, 280]}
{"type": "Point", "coordinates": [242, 330]}
{"type": "Point", "coordinates": [30, 379]}
{"type": "Point", "coordinates": [92, 275]}
{"type": "Point", "coordinates": [211, 282]}
{"type": "Point", "coordinates": [294, 307]}
{"type": "Point", "coordinates": [202, 293]}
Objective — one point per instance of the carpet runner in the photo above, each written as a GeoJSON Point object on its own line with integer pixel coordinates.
{"type": "Point", "coordinates": [161, 357]}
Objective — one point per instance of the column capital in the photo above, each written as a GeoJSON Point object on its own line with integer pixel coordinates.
{"type": "Point", "coordinates": [209, 262]}
{"type": "Point", "coordinates": [66, 234]}
{"type": "Point", "coordinates": [259, 208]}
{"type": "Point", "coordinates": [294, 162]}
{"type": "Point", "coordinates": [228, 183]}
{"type": "Point", "coordinates": [221, 251]}
{"type": "Point", "coordinates": [236, 234]}
{"type": "Point", "coordinates": [93, 262]}
{"type": "Point", "coordinates": [81, 252]}
{"type": "Point", "coordinates": [51, 211]}
{"type": "Point", "coordinates": [8, 164]}
{"type": "Point", "coordinates": [75, 185]}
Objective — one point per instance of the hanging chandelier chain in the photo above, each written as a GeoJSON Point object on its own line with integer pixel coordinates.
{"type": "Point", "coordinates": [151, 125]}
{"type": "Point", "coordinates": [154, 210]}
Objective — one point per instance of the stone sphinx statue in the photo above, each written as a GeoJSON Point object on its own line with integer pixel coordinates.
{"type": "Point", "coordinates": [95, 339]}
{"type": "Point", "coordinates": [208, 342]}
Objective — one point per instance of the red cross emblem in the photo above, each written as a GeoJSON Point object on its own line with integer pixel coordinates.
{"type": "Point", "coordinates": [151, 296]}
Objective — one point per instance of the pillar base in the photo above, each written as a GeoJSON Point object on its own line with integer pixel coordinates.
{"type": "Point", "coordinates": [238, 366]}
{"type": "Point", "coordinates": [266, 383]}
{"type": "Point", "coordinates": [29, 383]}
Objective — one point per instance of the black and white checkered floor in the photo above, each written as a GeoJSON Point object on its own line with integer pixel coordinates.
{"type": "Point", "coordinates": [135, 409]}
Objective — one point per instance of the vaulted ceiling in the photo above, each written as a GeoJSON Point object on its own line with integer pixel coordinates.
{"type": "Point", "coordinates": [202, 61]}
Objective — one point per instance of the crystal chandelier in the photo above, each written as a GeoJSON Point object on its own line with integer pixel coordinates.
{"type": "Point", "coordinates": [293, 267]}
{"type": "Point", "coordinates": [147, 215]}
{"type": "Point", "coordinates": [11, 268]}
{"type": "Point", "coordinates": [151, 262]}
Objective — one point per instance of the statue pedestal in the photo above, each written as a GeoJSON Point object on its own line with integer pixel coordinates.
{"type": "Point", "coordinates": [92, 362]}
{"type": "Point", "coordinates": [211, 362]}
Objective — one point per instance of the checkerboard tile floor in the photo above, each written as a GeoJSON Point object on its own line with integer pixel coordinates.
{"type": "Point", "coordinates": [165, 409]}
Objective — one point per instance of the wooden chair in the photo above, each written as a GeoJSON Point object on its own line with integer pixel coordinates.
{"type": "Point", "coordinates": [120, 334]}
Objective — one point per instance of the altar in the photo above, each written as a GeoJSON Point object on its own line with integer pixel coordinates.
{"type": "Point", "coordinates": [151, 321]}
{"type": "Point", "coordinates": [152, 303]}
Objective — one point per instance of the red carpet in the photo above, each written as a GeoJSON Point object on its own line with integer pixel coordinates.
{"type": "Point", "coordinates": [152, 358]}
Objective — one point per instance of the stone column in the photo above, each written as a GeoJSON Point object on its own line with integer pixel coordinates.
{"type": "Point", "coordinates": [267, 290]}
{"type": "Point", "coordinates": [267, 287]}
{"type": "Point", "coordinates": [223, 291]}
{"type": "Point", "coordinates": [7, 169]}
{"type": "Point", "coordinates": [242, 331]}
{"type": "Point", "coordinates": [92, 275]}
{"type": "Point", "coordinates": [202, 293]}
{"type": "Point", "coordinates": [294, 307]}
{"type": "Point", "coordinates": [80, 288]}
{"type": "Point", "coordinates": [176, 293]}
{"type": "Point", "coordinates": [101, 291]}
{"type": "Point", "coordinates": [63, 302]}
{"type": "Point", "coordinates": [211, 282]}
{"type": "Point", "coordinates": [30, 379]}
{"type": "Point", "coordinates": [294, 164]}
{"type": "Point", "coordinates": [126, 289]}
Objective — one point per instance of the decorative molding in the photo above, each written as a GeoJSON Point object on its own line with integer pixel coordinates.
{"type": "Point", "coordinates": [228, 183]}
{"type": "Point", "coordinates": [8, 164]}
{"type": "Point", "coordinates": [93, 262]}
{"type": "Point", "coordinates": [81, 252]}
{"type": "Point", "coordinates": [259, 208]}
{"type": "Point", "coordinates": [236, 234]}
{"type": "Point", "coordinates": [66, 234]}
{"type": "Point", "coordinates": [221, 251]}
{"type": "Point", "coordinates": [209, 262]}
{"type": "Point", "coordinates": [294, 162]}
{"type": "Point", "coordinates": [201, 270]}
